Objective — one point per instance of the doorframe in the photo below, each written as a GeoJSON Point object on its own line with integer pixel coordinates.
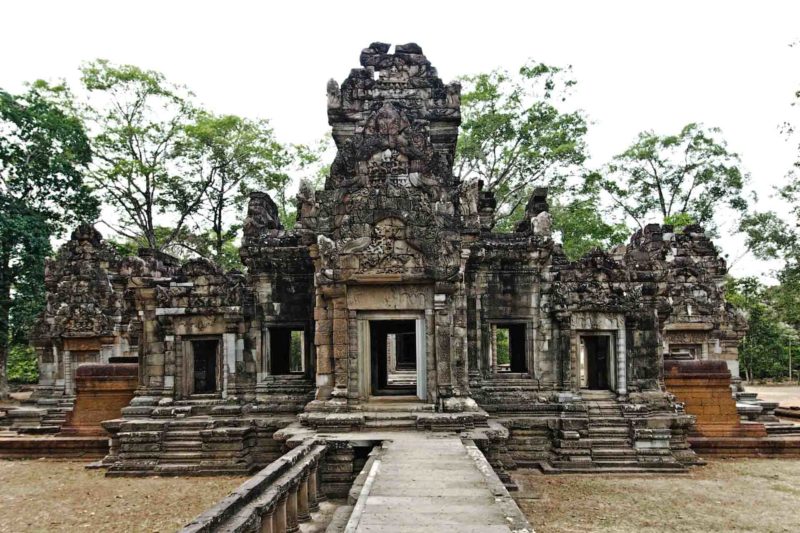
{"type": "Point", "coordinates": [611, 364]}
{"type": "Point", "coordinates": [365, 349]}
{"type": "Point", "coordinates": [187, 383]}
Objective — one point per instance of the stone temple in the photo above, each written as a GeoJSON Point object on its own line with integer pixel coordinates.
{"type": "Point", "coordinates": [392, 304]}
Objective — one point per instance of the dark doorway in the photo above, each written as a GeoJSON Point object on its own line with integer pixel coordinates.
{"type": "Point", "coordinates": [393, 345]}
{"type": "Point", "coordinates": [510, 346]}
{"type": "Point", "coordinates": [205, 366]}
{"type": "Point", "coordinates": [286, 351]}
{"type": "Point", "coordinates": [597, 362]}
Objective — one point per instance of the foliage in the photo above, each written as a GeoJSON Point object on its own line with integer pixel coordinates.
{"type": "Point", "coordinates": [44, 153]}
{"type": "Point", "coordinates": [584, 226]}
{"type": "Point", "coordinates": [22, 364]}
{"type": "Point", "coordinates": [764, 351]}
{"type": "Point", "coordinates": [137, 118]}
{"type": "Point", "coordinates": [514, 136]}
{"type": "Point", "coordinates": [232, 156]}
{"type": "Point", "coordinates": [675, 178]}
{"type": "Point", "coordinates": [503, 346]}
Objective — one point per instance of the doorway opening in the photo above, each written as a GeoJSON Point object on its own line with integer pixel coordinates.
{"type": "Point", "coordinates": [509, 347]}
{"type": "Point", "coordinates": [204, 365]}
{"type": "Point", "coordinates": [597, 362]}
{"type": "Point", "coordinates": [286, 350]}
{"type": "Point", "coordinates": [393, 347]}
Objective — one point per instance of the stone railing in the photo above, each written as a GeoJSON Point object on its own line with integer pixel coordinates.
{"type": "Point", "coordinates": [275, 500]}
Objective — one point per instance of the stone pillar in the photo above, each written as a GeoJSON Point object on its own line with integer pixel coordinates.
{"type": "Point", "coordinates": [279, 516]}
{"type": "Point", "coordinates": [267, 521]}
{"type": "Point", "coordinates": [292, 526]}
{"type": "Point", "coordinates": [341, 346]}
{"type": "Point", "coordinates": [622, 362]}
{"type": "Point", "coordinates": [324, 347]}
{"type": "Point", "coordinates": [318, 482]}
{"type": "Point", "coordinates": [391, 352]}
{"type": "Point", "coordinates": [303, 514]}
{"type": "Point", "coordinates": [313, 500]}
{"type": "Point", "coordinates": [69, 375]}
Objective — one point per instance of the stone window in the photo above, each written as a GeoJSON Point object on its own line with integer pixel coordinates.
{"type": "Point", "coordinates": [685, 351]}
{"type": "Point", "coordinates": [508, 343]}
{"type": "Point", "coordinates": [287, 348]}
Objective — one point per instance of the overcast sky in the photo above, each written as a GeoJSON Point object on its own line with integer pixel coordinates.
{"type": "Point", "coordinates": [640, 65]}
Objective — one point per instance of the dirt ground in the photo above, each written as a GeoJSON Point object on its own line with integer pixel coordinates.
{"type": "Point", "coordinates": [743, 495]}
{"type": "Point", "coordinates": [785, 395]}
{"type": "Point", "coordinates": [45, 495]}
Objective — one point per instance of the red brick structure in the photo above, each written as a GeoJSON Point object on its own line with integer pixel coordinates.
{"type": "Point", "coordinates": [102, 391]}
{"type": "Point", "coordinates": [704, 387]}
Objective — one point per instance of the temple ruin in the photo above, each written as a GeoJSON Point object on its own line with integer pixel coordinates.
{"type": "Point", "coordinates": [392, 304]}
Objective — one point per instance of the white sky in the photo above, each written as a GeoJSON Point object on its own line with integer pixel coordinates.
{"type": "Point", "coordinates": [640, 65]}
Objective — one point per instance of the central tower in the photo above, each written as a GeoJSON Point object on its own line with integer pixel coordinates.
{"type": "Point", "coordinates": [385, 237]}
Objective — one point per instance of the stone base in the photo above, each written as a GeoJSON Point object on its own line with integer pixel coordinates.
{"type": "Point", "coordinates": [747, 447]}
{"type": "Point", "coordinates": [24, 447]}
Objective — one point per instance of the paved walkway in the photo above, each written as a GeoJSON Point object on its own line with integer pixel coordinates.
{"type": "Point", "coordinates": [433, 482]}
{"type": "Point", "coordinates": [785, 395]}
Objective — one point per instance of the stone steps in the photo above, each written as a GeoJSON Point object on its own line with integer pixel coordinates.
{"type": "Point", "coordinates": [608, 431]}
{"type": "Point", "coordinates": [182, 445]}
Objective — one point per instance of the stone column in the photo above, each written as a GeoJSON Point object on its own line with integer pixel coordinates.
{"type": "Point", "coordinates": [622, 364]}
{"type": "Point", "coordinates": [279, 516]}
{"type": "Point", "coordinates": [318, 482]}
{"type": "Point", "coordinates": [313, 503]}
{"type": "Point", "coordinates": [391, 352]}
{"type": "Point", "coordinates": [324, 346]}
{"type": "Point", "coordinates": [341, 346]}
{"type": "Point", "coordinates": [303, 514]}
{"type": "Point", "coordinates": [69, 374]}
{"type": "Point", "coordinates": [292, 526]}
{"type": "Point", "coordinates": [267, 521]}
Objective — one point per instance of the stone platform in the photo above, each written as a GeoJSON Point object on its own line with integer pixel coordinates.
{"type": "Point", "coordinates": [53, 447]}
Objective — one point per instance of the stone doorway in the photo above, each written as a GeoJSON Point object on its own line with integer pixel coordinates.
{"type": "Point", "coordinates": [393, 357]}
{"type": "Point", "coordinates": [597, 362]}
{"type": "Point", "coordinates": [204, 360]}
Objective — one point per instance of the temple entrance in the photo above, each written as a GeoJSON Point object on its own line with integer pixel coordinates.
{"type": "Point", "coordinates": [204, 366]}
{"type": "Point", "coordinates": [393, 348]}
{"type": "Point", "coordinates": [597, 362]}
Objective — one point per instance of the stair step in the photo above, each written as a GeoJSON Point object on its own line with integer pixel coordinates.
{"type": "Point", "coordinates": [183, 445]}
{"type": "Point", "coordinates": [388, 415]}
{"type": "Point", "coordinates": [608, 430]}
{"type": "Point", "coordinates": [613, 452]}
{"type": "Point", "coordinates": [610, 442]}
{"type": "Point", "coordinates": [390, 423]}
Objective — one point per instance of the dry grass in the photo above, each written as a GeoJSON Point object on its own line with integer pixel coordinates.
{"type": "Point", "coordinates": [63, 496]}
{"type": "Point", "coordinates": [745, 495]}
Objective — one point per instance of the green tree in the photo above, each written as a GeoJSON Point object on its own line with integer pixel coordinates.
{"type": "Point", "coordinates": [584, 225]}
{"type": "Point", "coordinates": [679, 178]}
{"type": "Point", "coordinates": [764, 351]}
{"type": "Point", "coordinates": [514, 136]}
{"type": "Point", "coordinates": [44, 153]}
{"type": "Point", "coordinates": [137, 118]}
{"type": "Point", "coordinates": [233, 156]}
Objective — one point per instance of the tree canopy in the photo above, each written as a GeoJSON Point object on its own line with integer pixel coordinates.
{"type": "Point", "coordinates": [675, 179]}
{"type": "Point", "coordinates": [44, 155]}
{"type": "Point", "coordinates": [137, 118]}
{"type": "Point", "coordinates": [515, 136]}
